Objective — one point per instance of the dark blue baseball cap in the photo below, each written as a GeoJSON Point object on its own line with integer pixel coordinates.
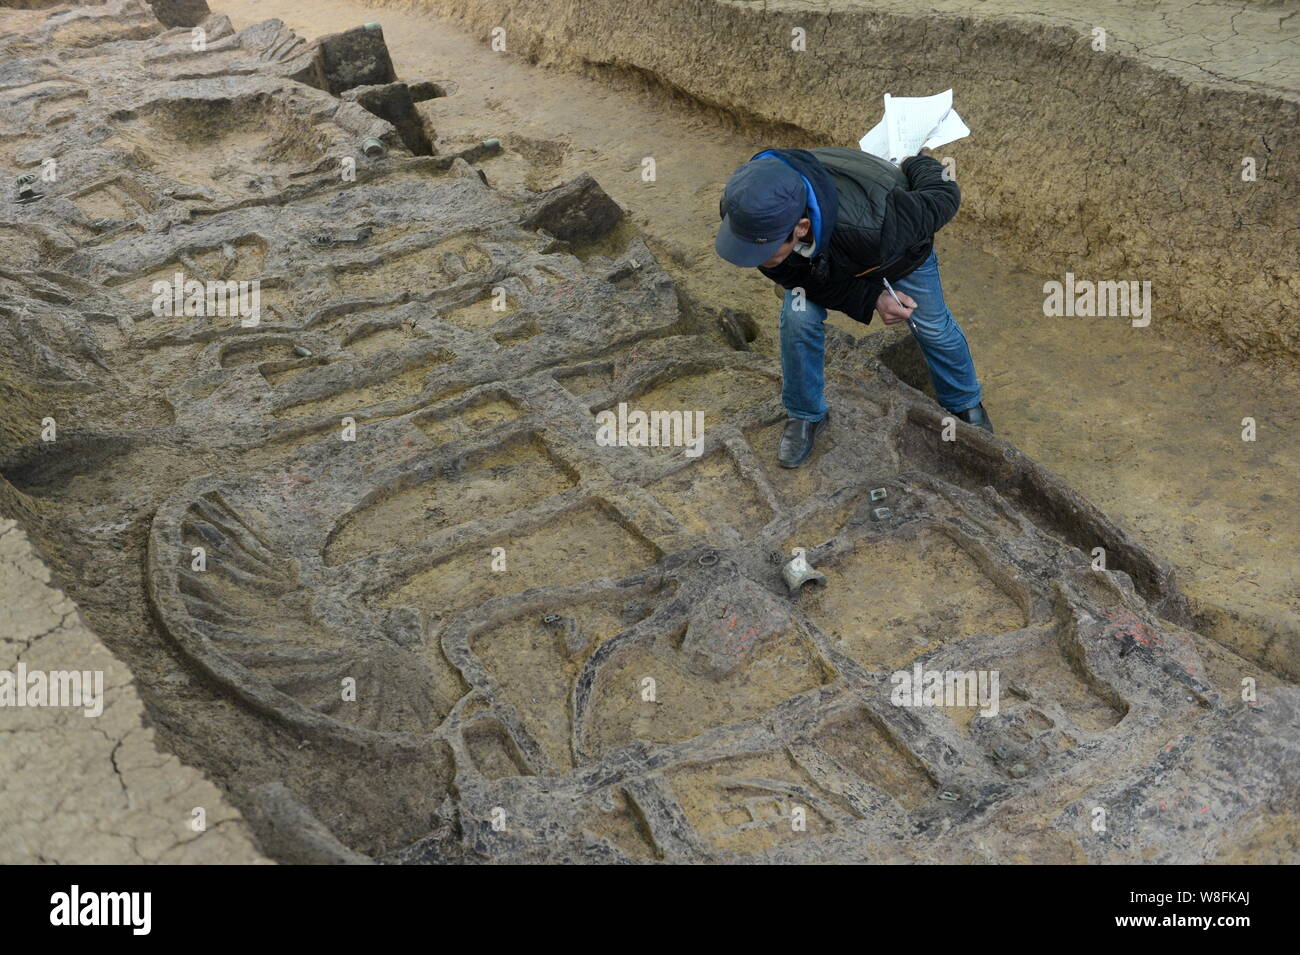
{"type": "Point", "coordinates": [762, 203]}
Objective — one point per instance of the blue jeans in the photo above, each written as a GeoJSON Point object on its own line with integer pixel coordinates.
{"type": "Point", "coordinates": [803, 348]}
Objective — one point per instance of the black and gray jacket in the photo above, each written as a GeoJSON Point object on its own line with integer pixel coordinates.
{"type": "Point", "coordinates": [871, 220]}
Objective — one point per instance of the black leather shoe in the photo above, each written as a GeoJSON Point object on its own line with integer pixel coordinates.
{"type": "Point", "coordinates": [977, 416]}
{"type": "Point", "coordinates": [797, 440]}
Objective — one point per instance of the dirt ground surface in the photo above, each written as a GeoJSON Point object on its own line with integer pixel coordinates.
{"type": "Point", "coordinates": [1147, 422]}
{"type": "Point", "coordinates": [122, 801]}
{"type": "Point", "coordinates": [556, 649]}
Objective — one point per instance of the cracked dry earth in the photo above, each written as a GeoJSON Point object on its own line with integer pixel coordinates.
{"type": "Point", "coordinates": [97, 790]}
{"type": "Point", "coordinates": [354, 468]}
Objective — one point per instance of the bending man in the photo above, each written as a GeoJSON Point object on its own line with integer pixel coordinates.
{"type": "Point", "coordinates": [837, 228]}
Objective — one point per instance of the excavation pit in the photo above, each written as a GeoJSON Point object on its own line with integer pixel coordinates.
{"type": "Point", "coordinates": [370, 557]}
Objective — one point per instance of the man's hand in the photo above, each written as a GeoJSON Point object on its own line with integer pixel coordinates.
{"type": "Point", "coordinates": [891, 313]}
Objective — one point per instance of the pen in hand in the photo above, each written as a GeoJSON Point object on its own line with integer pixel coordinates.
{"type": "Point", "coordinates": [894, 295]}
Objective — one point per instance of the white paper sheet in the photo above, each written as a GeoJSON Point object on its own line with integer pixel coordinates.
{"type": "Point", "coordinates": [912, 123]}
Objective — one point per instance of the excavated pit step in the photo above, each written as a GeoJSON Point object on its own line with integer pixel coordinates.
{"type": "Point", "coordinates": [376, 575]}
